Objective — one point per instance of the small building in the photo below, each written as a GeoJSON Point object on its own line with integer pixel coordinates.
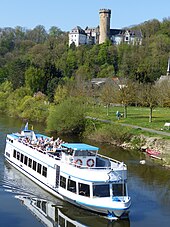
{"type": "Point", "coordinates": [119, 36]}
{"type": "Point", "coordinates": [77, 36]}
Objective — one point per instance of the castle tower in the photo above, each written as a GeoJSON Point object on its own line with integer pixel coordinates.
{"type": "Point", "coordinates": [105, 15]}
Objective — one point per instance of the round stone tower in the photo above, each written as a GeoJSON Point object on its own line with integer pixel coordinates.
{"type": "Point", "coordinates": [105, 15]}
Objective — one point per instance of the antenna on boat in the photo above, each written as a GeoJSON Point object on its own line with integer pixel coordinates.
{"type": "Point", "coordinates": [26, 126]}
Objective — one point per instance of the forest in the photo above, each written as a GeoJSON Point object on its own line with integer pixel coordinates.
{"type": "Point", "coordinates": [39, 72]}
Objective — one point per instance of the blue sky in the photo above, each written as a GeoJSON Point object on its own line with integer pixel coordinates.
{"type": "Point", "coordinates": [66, 14]}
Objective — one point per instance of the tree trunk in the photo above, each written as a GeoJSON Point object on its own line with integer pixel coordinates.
{"type": "Point", "coordinates": [125, 111]}
{"type": "Point", "coordinates": [150, 114]}
{"type": "Point", "coordinates": [107, 106]}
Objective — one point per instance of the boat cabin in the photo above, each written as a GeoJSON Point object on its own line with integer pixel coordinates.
{"type": "Point", "coordinates": [80, 154]}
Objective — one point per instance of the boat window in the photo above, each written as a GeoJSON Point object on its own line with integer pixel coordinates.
{"type": "Point", "coordinates": [62, 182]}
{"type": "Point", "coordinates": [44, 172]}
{"type": "Point", "coordinates": [71, 186]}
{"type": "Point", "coordinates": [119, 190]}
{"type": "Point", "coordinates": [101, 190]}
{"type": "Point", "coordinates": [62, 221]}
{"type": "Point", "coordinates": [34, 165]}
{"type": "Point", "coordinates": [18, 155]}
{"type": "Point", "coordinates": [30, 162]}
{"type": "Point", "coordinates": [26, 160]}
{"type": "Point", "coordinates": [84, 153]}
{"type": "Point", "coordinates": [39, 168]}
{"type": "Point", "coordinates": [84, 189]}
{"type": "Point", "coordinates": [44, 208]}
{"type": "Point", "coordinates": [22, 158]}
{"type": "Point", "coordinates": [14, 154]}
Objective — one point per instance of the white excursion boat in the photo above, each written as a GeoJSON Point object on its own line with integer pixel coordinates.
{"type": "Point", "coordinates": [74, 172]}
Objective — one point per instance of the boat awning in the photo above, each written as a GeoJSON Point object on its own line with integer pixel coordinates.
{"type": "Point", "coordinates": [80, 146]}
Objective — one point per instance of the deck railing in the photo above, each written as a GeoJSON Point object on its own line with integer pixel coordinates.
{"type": "Point", "coordinates": [54, 155]}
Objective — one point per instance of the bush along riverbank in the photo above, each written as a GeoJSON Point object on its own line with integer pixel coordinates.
{"type": "Point", "coordinates": [122, 136]}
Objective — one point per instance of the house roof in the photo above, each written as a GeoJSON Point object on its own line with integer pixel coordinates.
{"type": "Point", "coordinates": [121, 32]}
{"type": "Point", "coordinates": [78, 30]}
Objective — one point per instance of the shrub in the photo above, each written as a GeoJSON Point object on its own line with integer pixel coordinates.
{"type": "Point", "coordinates": [67, 117]}
{"type": "Point", "coordinates": [111, 133]}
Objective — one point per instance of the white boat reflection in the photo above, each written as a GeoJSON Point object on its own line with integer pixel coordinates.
{"type": "Point", "coordinates": [54, 216]}
{"type": "Point", "coordinates": [47, 213]}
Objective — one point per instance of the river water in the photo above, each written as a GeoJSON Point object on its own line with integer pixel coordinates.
{"type": "Point", "coordinates": [23, 203]}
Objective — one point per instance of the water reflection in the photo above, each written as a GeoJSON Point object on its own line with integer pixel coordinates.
{"type": "Point", "coordinates": [49, 210]}
{"type": "Point", "coordinates": [52, 215]}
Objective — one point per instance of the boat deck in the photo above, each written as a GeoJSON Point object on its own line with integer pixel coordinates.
{"type": "Point", "coordinates": [58, 150]}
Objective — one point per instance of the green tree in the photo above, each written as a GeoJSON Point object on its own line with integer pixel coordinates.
{"type": "Point", "coordinates": [14, 101]}
{"type": "Point", "coordinates": [55, 31]}
{"type": "Point", "coordinates": [38, 34]}
{"type": "Point", "coordinates": [67, 117]}
{"type": "Point", "coordinates": [34, 79]}
{"type": "Point", "coordinates": [5, 91]}
{"type": "Point", "coordinates": [61, 93]}
{"type": "Point", "coordinates": [16, 70]}
{"type": "Point", "coordinates": [148, 96]}
{"type": "Point", "coordinates": [35, 108]}
{"type": "Point", "coordinates": [126, 94]}
{"type": "Point", "coordinates": [107, 94]}
{"type": "Point", "coordinates": [163, 88]}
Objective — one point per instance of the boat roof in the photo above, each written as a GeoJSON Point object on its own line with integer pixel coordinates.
{"type": "Point", "coordinates": [80, 146]}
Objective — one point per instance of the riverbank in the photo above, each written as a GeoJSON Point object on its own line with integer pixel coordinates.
{"type": "Point", "coordinates": [139, 142]}
{"type": "Point", "coordinates": [153, 143]}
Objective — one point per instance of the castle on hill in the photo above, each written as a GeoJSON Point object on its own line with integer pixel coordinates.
{"type": "Point", "coordinates": [100, 34]}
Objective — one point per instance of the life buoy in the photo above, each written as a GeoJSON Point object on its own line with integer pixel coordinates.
{"type": "Point", "coordinates": [90, 162]}
{"type": "Point", "coordinates": [78, 162]}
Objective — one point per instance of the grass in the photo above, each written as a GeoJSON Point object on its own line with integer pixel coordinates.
{"type": "Point", "coordinates": [135, 116]}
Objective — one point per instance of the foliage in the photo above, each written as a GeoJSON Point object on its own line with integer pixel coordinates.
{"type": "Point", "coordinates": [34, 79]}
{"type": "Point", "coordinates": [34, 109]}
{"type": "Point", "coordinates": [164, 95]}
{"type": "Point", "coordinates": [60, 94]}
{"type": "Point", "coordinates": [35, 60]}
{"type": "Point", "coordinates": [14, 101]}
{"type": "Point", "coordinates": [110, 133]}
{"type": "Point", "coordinates": [5, 91]}
{"type": "Point", "coordinates": [67, 117]}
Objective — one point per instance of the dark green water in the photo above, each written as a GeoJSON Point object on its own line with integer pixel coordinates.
{"type": "Point", "coordinates": [149, 188]}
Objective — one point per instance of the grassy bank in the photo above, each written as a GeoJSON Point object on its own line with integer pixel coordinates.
{"type": "Point", "coordinates": [134, 138]}
{"type": "Point", "coordinates": [135, 116]}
